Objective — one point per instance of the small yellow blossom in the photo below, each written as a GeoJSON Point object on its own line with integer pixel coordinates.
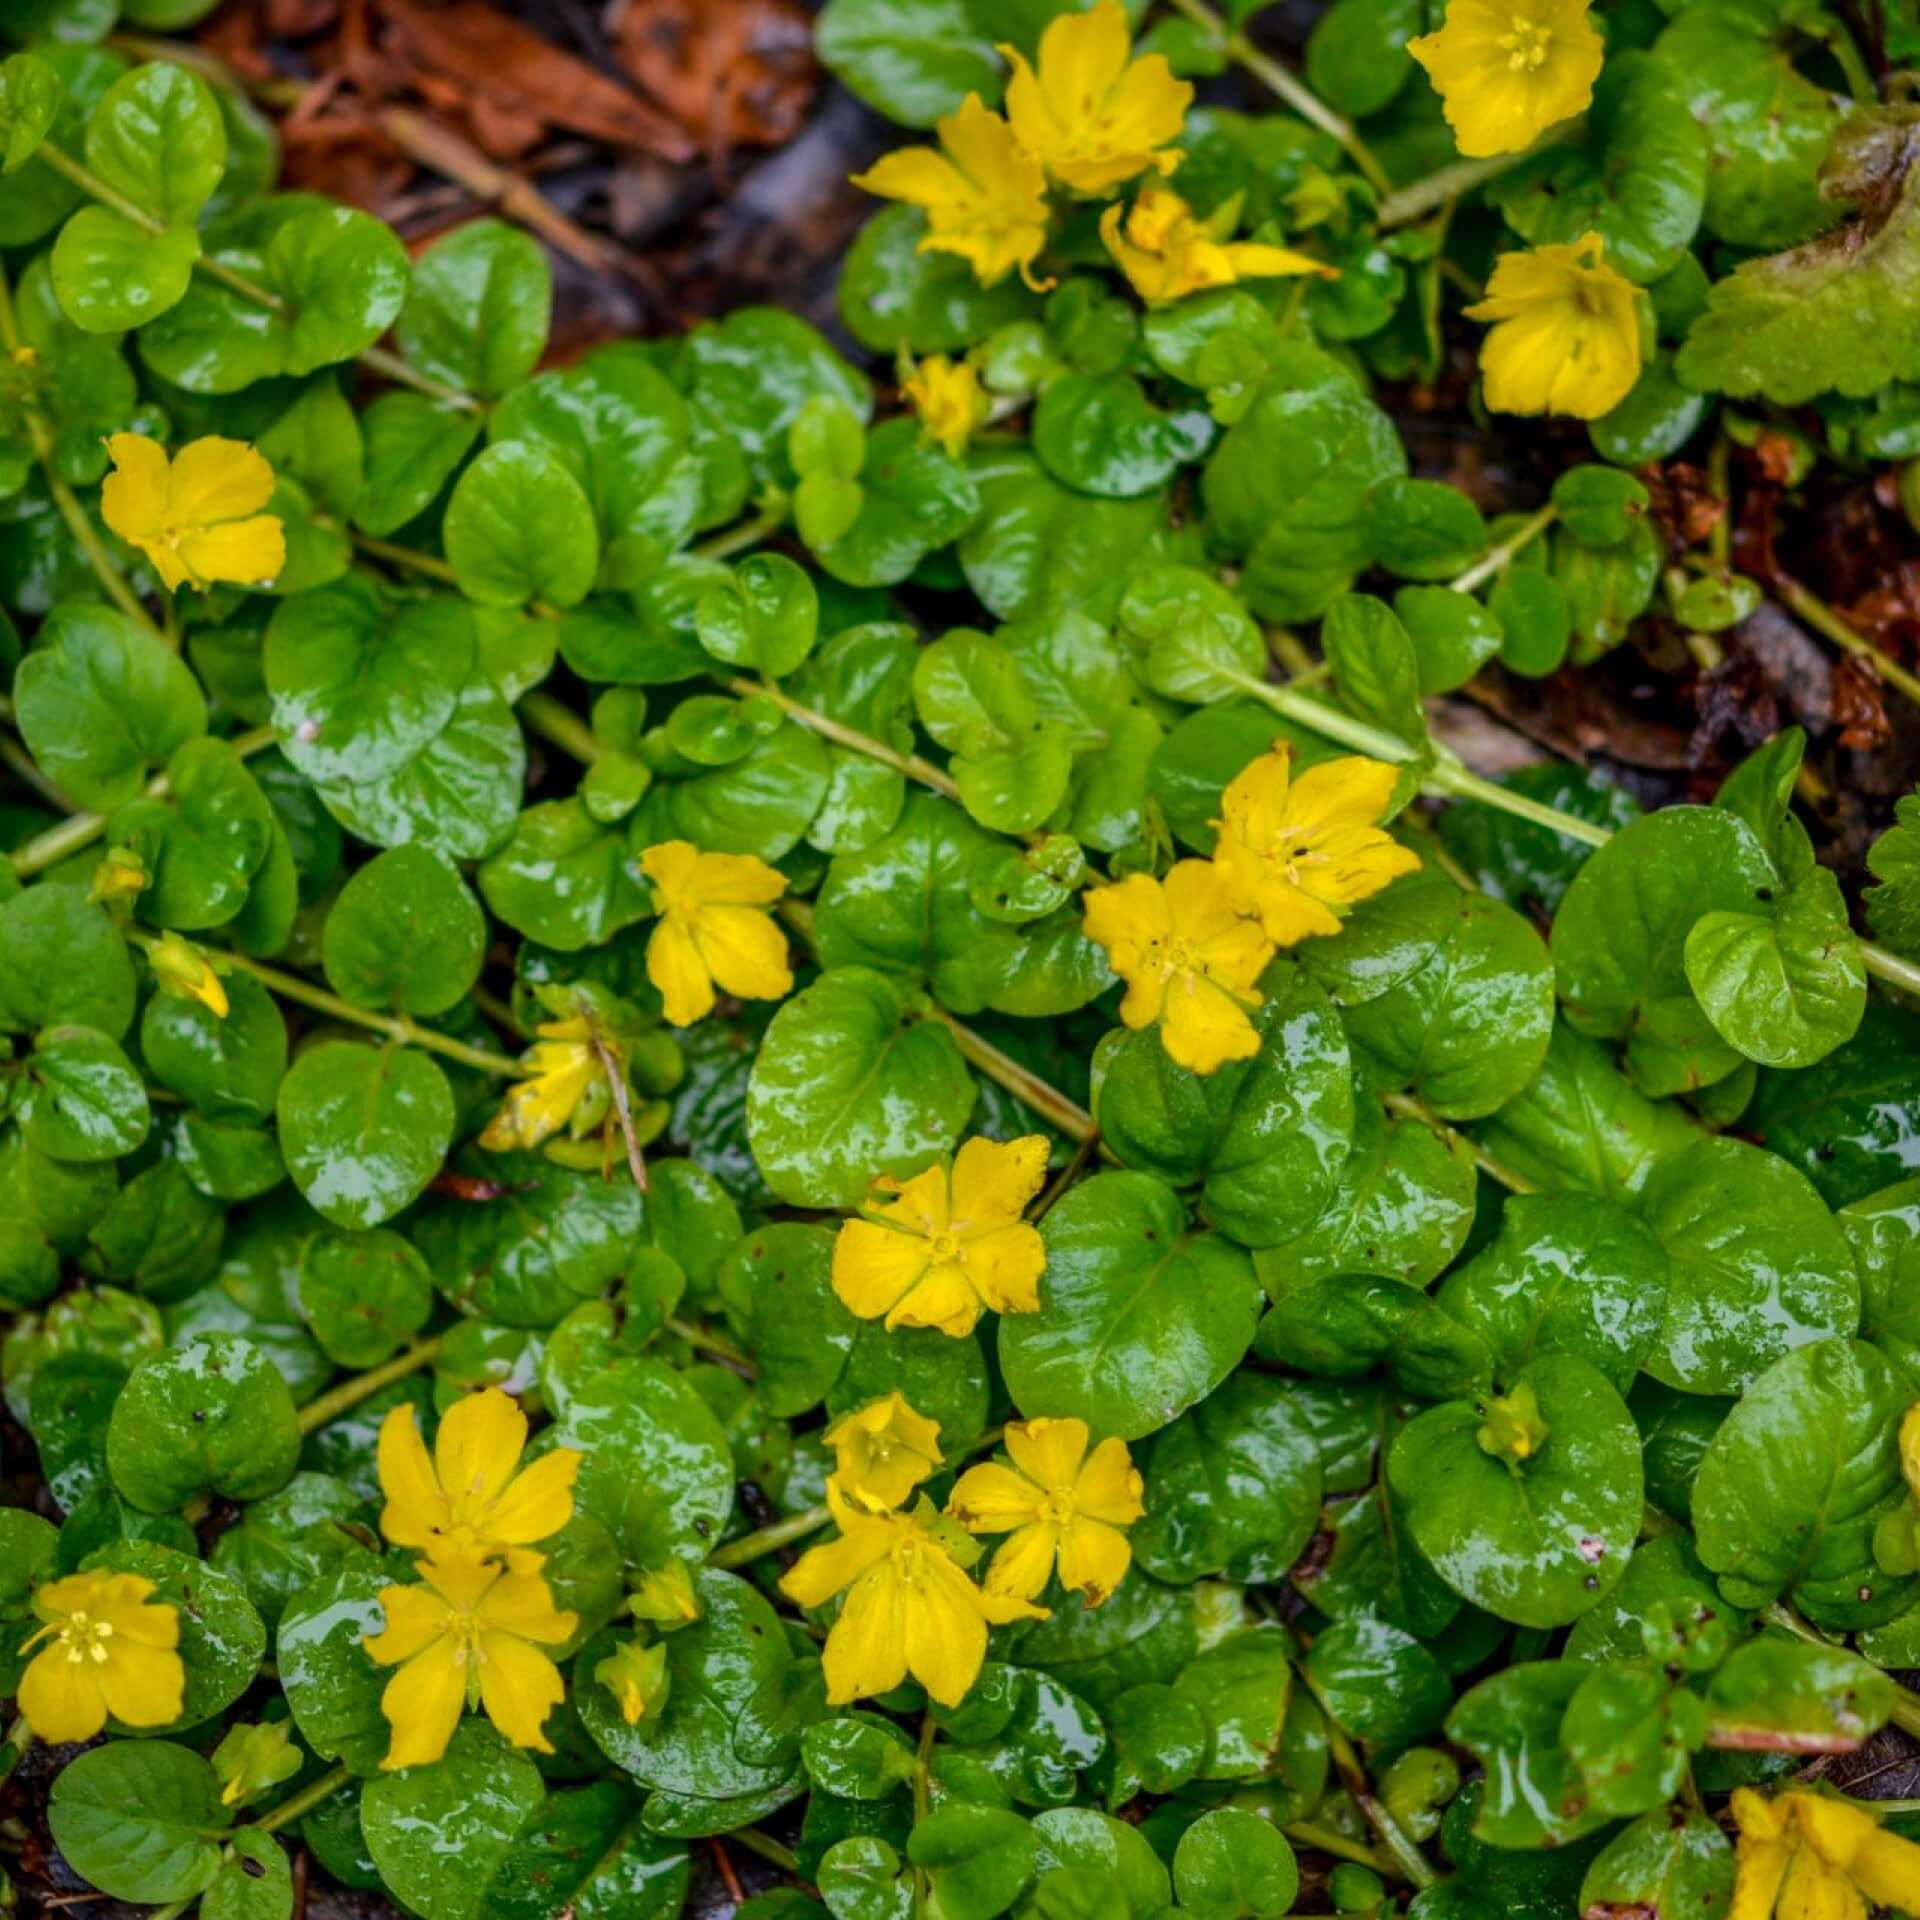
{"type": "Point", "coordinates": [984, 194]}
{"type": "Point", "coordinates": [950, 401]}
{"type": "Point", "coordinates": [910, 1609]}
{"type": "Point", "coordinates": [1188, 959]}
{"type": "Point", "coordinates": [1806, 1856]}
{"type": "Point", "coordinates": [253, 1759]}
{"type": "Point", "coordinates": [183, 970]}
{"type": "Point", "coordinates": [1566, 338]}
{"type": "Point", "coordinates": [105, 1648]}
{"type": "Point", "coordinates": [664, 1597]}
{"type": "Point", "coordinates": [1092, 116]}
{"type": "Point", "coordinates": [466, 1500]}
{"type": "Point", "coordinates": [944, 1248]}
{"type": "Point", "coordinates": [637, 1677]}
{"type": "Point", "coordinates": [1296, 854]}
{"type": "Point", "coordinates": [882, 1451]}
{"type": "Point", "coordinates": [468, 1636]}
{"type": "Point", "coordinates": [1507, 70]}
{"type": "Point", "coordinates": [121, 875]}
{"type": "Point", "coordinates": [563, 1067]}
{"type": "Point", "coordinates": [1059, 1503]}
{"type": "Point", "coordinates": [714, 929]}
{"type": "Point", "coordinates": [1167, 253]}
{"type": "Point", "coordinates": [196, 517]}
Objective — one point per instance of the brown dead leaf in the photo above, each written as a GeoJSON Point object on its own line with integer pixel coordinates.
{"type": "Point", "coordinates": [1735, 700]}
{"type": "Point", "coordinates": [1859, 705]}
{"type": "Point", "coordinates": [517, 73]}
{"type": "Point", "coordinates": [1683, 502]}
{"type": "Point", "coordinates": [734, 73]}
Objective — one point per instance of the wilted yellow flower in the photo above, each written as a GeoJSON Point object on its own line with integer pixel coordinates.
{"type": "Point", "coordinates": [637, 1677]}
{"type": "Point", "coordinates": [1566, 338]}
{"type": "Point", "coordinates": [252, 1760]}
{"type": "Point", "coordinates": [197, 518]}
{"type": "Point", "coordinates": [882, 1451]}
{"type": "Point", "coordinates": [1058, 1502]}
{"type": "Point", "coordinates": [984, 194]}
{"type": "Point", "coordinates": [943, 1249]}
{"type": "Point", "coordinates": [1189, 961]}
{"type": "Point", "coordinates": [714, 929]}
{"type": "Point", "coordinates": [1092, 116]}
{"type": "Point", "coordinates": [469, 1636]}
{"type": "Point", "coordinates": [1297, 854]}
{"type": "Point", "coordinates": [467, 1500]}
{"type": "Point", "coordinates": [1805, 1856]}
{"type": "Point", "coordinates": [1507, 70]}
{"type": "Point", "coordinates": [183, 970]}
{"type": "Point", "coordinates": [562, 1068]}
{"type": "Point", "coordinates": [1166, 253]}
{"type": "Point", "coordinates": [910, 1608]}
{"type": "Point", "coordinates": [105, 1648]}
{"type": "Point", "coordinates": [949, 399]}
{"type": "Point", "coordinates": [121, 875]}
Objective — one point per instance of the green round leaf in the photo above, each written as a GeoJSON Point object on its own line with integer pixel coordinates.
{"type": "Point", "coordinates": [364, 1294]}
{"type": "Point", "coordinates": [62, 962]}
{"type": "Point", "coordinates": [405, 934]}
{"type": "Point", "coordinates": [1233, 1865]}
{"type": "Point", "coordinates": [1139, 1316]}
{"type": "Point", "coordinates": [476, 314]}
{"type": "Point", "coordinates": [519, 528]}
{"type": "Point", "coordinates": [140, 1819]}
{"type": "Point", "coordinates": [364, 1128]}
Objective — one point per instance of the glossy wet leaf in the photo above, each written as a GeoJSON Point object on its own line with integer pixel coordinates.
{"type": "Point", "coordinates": [405, 935]}
{"type": "Point", "coordinates": [140, 1819]}
{"type": "Point", "coordinates": [1140, 1315]}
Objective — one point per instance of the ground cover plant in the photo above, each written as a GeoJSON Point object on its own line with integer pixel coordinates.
{"type": "Point", "coordinates": [776, 1113]}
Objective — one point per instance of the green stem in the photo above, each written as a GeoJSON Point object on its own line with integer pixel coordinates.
{"type": "Point", "coordinates": [1890, 967]}
{"type": "Point", "coordinates": [19, 1739]}
{"type": "Point", "coordinates": [1287, 86]}
{"type": "Point", "coordinates": [749, 533]}
{"type": "Point", "coordinates": [703, 1341]}
{"type": "Point", "coordinates": [374, 359]}
{"type": "Point", "coordinates": [1497, 558]}
{"type": "Point", "coordinates": [768, 1539]}
{"type": "Point", "coordinates": [1906, 1703]}
{"type": "Point", "coordinates": [1455, 782]}
{"type": "Point", "coordinates": [79, 522]}
{"type": "Point", "coordinates": [910, 764]}
{"type": "Point", "coordinates": [79, 830]}
{"type": "Point", "coordinates": [304, 1802]}
{"type": "Point", "coordinates": [349, 1393]}
{"type": "Point", "coordinates": [1822, 618]}
{"type": "Point", "coordinates": [1412, 1107]}
{"type": "Point", "coordinates": [1327, 1840]}
{"type": "Point", "coordinates": [1412, 1863]}
{"type": "Point", "coordinates": [397, 1027]}
{"type": "Point", "coordinates": [1406, 204]}
{"type": "Point", "coordinates": [767, 1847]}
{"type": "Point", "coordinates": [20, 763]}
{"type": "Point", "coordinates": [1053, 1106]}
{"type": "Point", "coordinates": [922, 1765]}
{"type": "Point", "coordinates": [558, 724]}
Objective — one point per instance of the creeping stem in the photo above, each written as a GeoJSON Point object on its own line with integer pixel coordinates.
{"type": "Point", "coordinates": [362, 1386]}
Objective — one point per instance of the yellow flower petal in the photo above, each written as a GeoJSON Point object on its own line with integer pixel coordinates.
{"type": "Point", "coordinates": [133, 497]}
{"type": "Point", "coordinates": [949, 400]}
{"type": "Point", "coordinates": [479, 1444]}
{"type": "Point", "coordinates": [875, 1267]}
{"type": "Point", "coordinates": [215, 479]}
{"type": "Point", "coordinates": [415, 1618]}
{"type": "Point", "coordinates": [945, 1631]}
{"type": "Point", "coordinates": [1003, 1268]}
{"type": "Point", "coordinates": [674, 966]}
{"type": "Point", "coordinates": [994, 1184]}
{"type": "Point", "coordinates": [519, 1687]}
{"type": "Point", "coordinates": [919, 1205]}
{"type": "Point", "coordinates": [944, 1298]}
{"type": "Point", "coordinates": [422, 1704]}
{"type": "Point", "coordinates": [713, 928]}
{"type": "Point", "coordinates": [823, 1571]}
{"type": "Point", "coordinates": [1109, 1486]}
{"type": "Point", "coordinates": [144, 1687]}
{"type": "Point", "coordinates": [1094, 1558]}
{"type": "Point", "coordinates": [745, 951]}
{"type": "Point", "coordinates": [60, 1698]}
{"type": "Point", "coordinates": [1166, 253]}
{"type": "Point", "coordinates": [1507, 70]}
{"type": "Point", "coordinates": [250, 552]}
{"type": "Point", "coordinates": [1093, 119]}
{"type": "Point", "coordinates": [415, 1506]}
{"type": "Point", "coordinates": [866, 1650]}
{"type": "Point", "coordinates": [882, 1451]}
{"type": "Point", "coordinates": [1022, 1567]}
{"type": "Point", "coordinates": [106, 1646]}
{"type": "Point", "coordinates": [1048, 1452]}
{"type": "Point", "coordinates": [539, 1502]}
{"type": "Point", "coordinates": [1566, 336]}
{"type": "Point", "coordinates": [991, 1498]}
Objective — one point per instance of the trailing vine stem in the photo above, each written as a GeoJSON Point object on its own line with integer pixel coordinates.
{"type": "Point", "coordinates": [344, 1397]}
{"type": "Point", "coordinates": [389, 366]}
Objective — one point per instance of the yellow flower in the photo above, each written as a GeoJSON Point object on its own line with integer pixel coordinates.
{"type": "Point", "coordinates": [1091, 117]}
{"type": "Point", "coordinates": [637, 1678]}
{"type": "Point", "coordinates": [1188, 959]}
{"type": "Point", "coordinates": [253, 1759]}
{"type": "Point", "coordinates": [1166, 252]}
{"type": "Point", "coordinates": [665, 1597]}
{"type": "Point", "coordinates": [882, 1451]}
{"type": "Point", "coordinates": [181, 969]}
{"type": "Point", "coordinates": [1804, 1856]}
{"type": "Point", "coordinates": [197, 518]}
{"type": "Point", "coordinates": [469, 1636]}
{"type": "Point", "coordinates": [1058, 1502]}
{"type": "Point", "coordinates": [1296, 854]}
{"type": "Point", "coordinates": [1566, 338]}
{"type": "Point", "coordinates": [946, 1248]}
{"type": "Point", "coordinates": [562, 1068]}
{"type": "Point", "coordinates": [984, 194]}
{"type": "Point", "coordinates": [714, 929]}
{"type": "Point", "coordinates": [467, 1501]}
{"type": "Point", "coordinates": [121, 875]}
{"type": "Point", "coordinates": [1507, 70]}
{"type": "Point", "coordinates": [909, 1608]}
{"type": "Point", "coordinates": [104, 1649]}
{"type": "Point", "coordinates": [948, 397]}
